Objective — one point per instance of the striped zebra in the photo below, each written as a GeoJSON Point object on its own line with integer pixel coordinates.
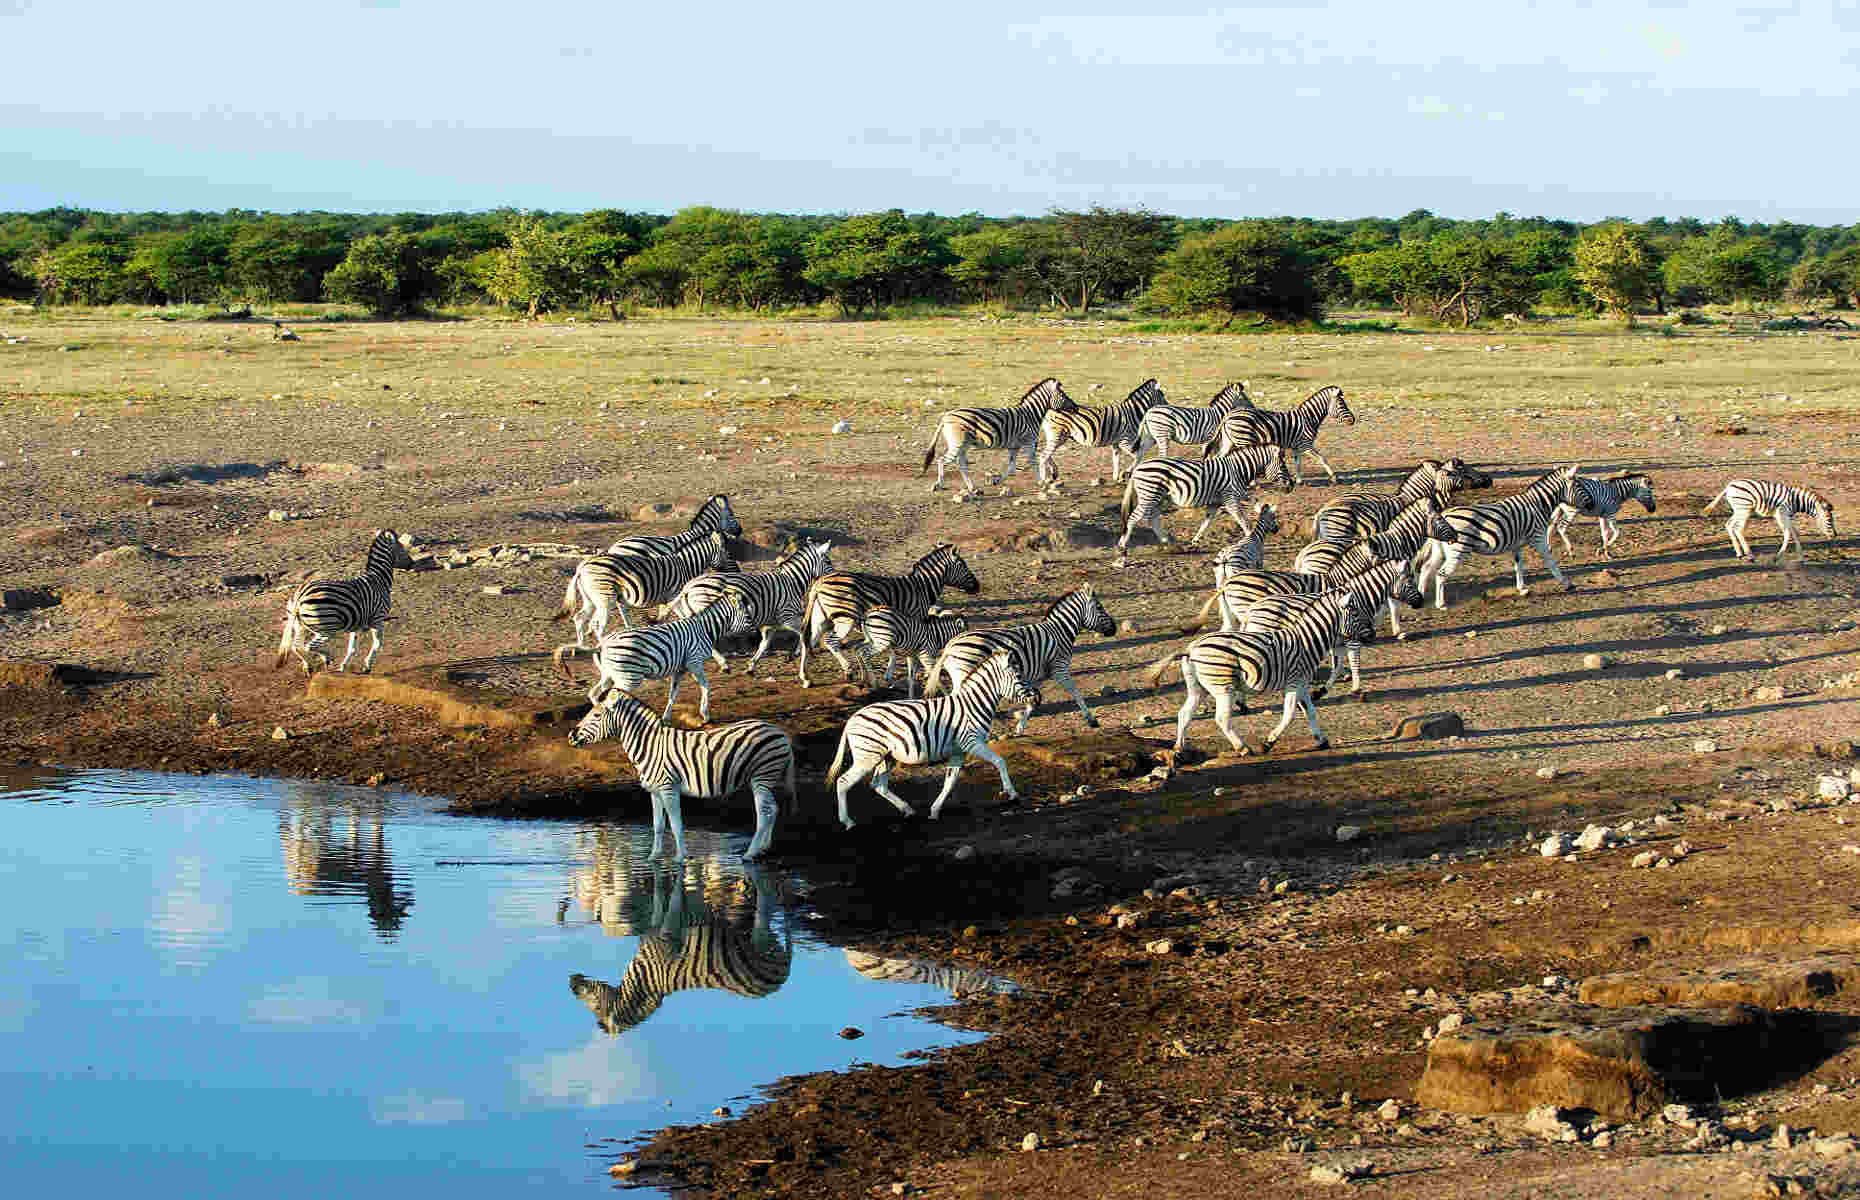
{"type": "Point", "coordinates": [685, 951]}
{"type": "Point", "coordinates": [1295, 429]}
{"type": "Point", "coordinates": [1249, 553]}
{"type": "Point", "coordinates": [1602, 498]}
{"type": "Point", "coordinates": [920, 639]}
{"type": "Point", "coordinates": [947, 730]}
{"type": "Point", "coordinates": [627, 658]}
{"type": "Point", "coordinates": [1041, 650]}
{"type": "Point", "coordinates": [1502, 527]}
{"type": "Point", "coordinates": [1356, 515]}
{"type": "Point", "coordinates": [770, 600]}
{"type": "Point", "coordinates": [1388, 579]}
{"type": "Point", "coordinates": [323, 607]}
{"type": "Point", "coordinates": [1119, 426]}
{"type": "Point", "coordinates": [1223, 664]}
{"type": "Point", "coordinates": [1016, 430]}
{"type": "Point", "coordinates": [1192, 426]}
{"type": "Point", "coordinates": [1214, 484]}
{"type": "Point", "coordinates": [957, 981]}
{"type": "Point", "coordinates": [608, 582]}
{"type": "Point", "coordinates": [1770, 498]}
{"type": "Point", "coordinates": [707, 764]}
{"type": "Point", "coordinates": [837, 603]}
{"type": "Point", "coordinates": [1406, 534]}
{"type": "Point", "coordinates": [713, 516]}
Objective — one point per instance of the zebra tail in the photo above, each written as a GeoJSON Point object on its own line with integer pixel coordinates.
{"type": "Point", "coordinates": [834, 768]}
{"type": "Point", "coordinates": [794, 794]}
{"type": "Point", "coordinates": [564, 652]}
{"type": "Point", "coordinates": [811, 614]}
{"type": "Point", "coordinates": [1714, 501]}
{"type": "Point", "coordinates": [930, 454]}
{"type": "Point", "coordinates": [933, 678]}
{"type": "Point", "coordinates": [568, 598]}
{"type": "Point", "coordinates": [1201, 618]}
{"type": "Point", "coordinates": [1154, 676]}
{"type": "Point", "coordinates": [290, 634]}
{"type": "Point", "coordinates": [1130, 497]}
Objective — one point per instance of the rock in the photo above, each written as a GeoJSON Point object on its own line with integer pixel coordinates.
{"type": "Point", "coordinates": [1783, 1139]}
{"type": "Point", "coordinates": [1719, 630]}
{"type": "Point", "coordinates": [1554, 846]}
{"type": "Point", "coordinates": [1546, 772]}
{"type": "Point", "coordinates": [1080, 536]}
{"type": "Point", "coordinates": [963, 853]}
{"type": "Point", "coordinates": [1704, 746]}
{"type": "Point", "coordinates": [727, 430]}
{"type": "Point", "coordinates": [1834, 1147]}
{"type": "Point", "coordinates": [1032, 1141]}
{"type": "Point", "coordinates": [23, 599]}
{"type": "Point", "coordinates": [1427, 726]}
{"type": "Point", "coordinates": [495, 589]}
{"type": "Point", "coordinates": [1129, 920]}
{"type": "Point", "coordinates": [1602, 1140]}
{"type": "Point", "coordinates": [1675, 673]}
{"type": "Point", "coordinates": [1768, 692]}
{"type": "Point", "coordinates": [1594, 837]}
{"type": "Point", "coordinates": [1349, 833]}
{"type": "Point", "coordinates": [1765, 982]}
{"type": "Point", "coordinates": [1833, 787]}
{"type": "Point", "coordinates": [852, 1033]}
{"type": "Point", "coordinates": [1547, 1121]}
{"type": "Point", "coordinates": [1341, 1172]}
{"type": "Point", "coordinates": [1450, 1022]}
{"type": "Point", "coordinates": [213, 721]}
{"type": "Point", "coordinates": [280, 734]}
{"type": "Point", "coordinates": [1390, 1110]}
{"type": "Point", "coordinates": [1160, 946]}
{"type": "Point", "coordinates": [1644, 859]}
{"type": "Point", "coordinates": [1595, 662]}
{"type": "Point", "coordinates": [277, 514]}
{"type": "Point", "coordinates": [842, 426]}
{"type": "Point", "coordinates": [1678, 1114]}
{"type": "Point", "coordinates": [242, 580]}
{"type": "Point", "coordinates": [123, 554]}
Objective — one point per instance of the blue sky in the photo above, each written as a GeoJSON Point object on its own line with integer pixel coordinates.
{"type": "Point", "coordinates": [1282, 107]}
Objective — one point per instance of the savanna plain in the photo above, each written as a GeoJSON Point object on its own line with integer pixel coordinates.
{"type": "Point", "coordinates": [1219, 990]}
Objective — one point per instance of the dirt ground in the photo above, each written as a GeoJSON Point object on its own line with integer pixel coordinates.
{"type": "Point", "coordinates": [1216, 1063]}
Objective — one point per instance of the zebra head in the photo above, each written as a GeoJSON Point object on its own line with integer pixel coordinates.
{"type": "Point", "coordinates": [954, 572]}
{"type": "Point", "coordinates": [1406, 587]}
{"type": "Point", "coordinates": [1265, 518]}
{"type": "Point", "coordinates": [1091, 612]}
{"type": "Point", "coordinates": [1438, 527]}
{"type": "Point", "coordinates": [817, 556]}
{"type": "Point", "coordinates": [1824, 513]}
{"type": "Point", "coordinates": [388, 551]}
{"type": "Point", "coordinates": [597, 726]}
{"type": "Point", "coordinates": [715, 514]}
{"type": "Point", "coordinates": [1455, 475]}
{"type": "Point", "coordinates": [1643, 490]}
{"type": "Point", "coordinates": [1334, 405]}
{"type": "Point", "coordinates": [1359, 618]}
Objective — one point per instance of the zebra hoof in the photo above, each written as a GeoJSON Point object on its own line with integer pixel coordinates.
{"type": "Point", "coordinates": [1524, 591]}
{"type": "Point", "coordinates": [848, 823]}
{"type": "Point", "coordinates": [1091, 722]}
{"type": "Point", "coordinates": [1360, 697]}
{"type": "Point", "coordinates": [1321, 744]}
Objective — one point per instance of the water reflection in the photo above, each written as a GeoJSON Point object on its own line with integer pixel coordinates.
{"type": "Point", "coordinates": [335, 844]}
{"type": "Point", "coordinates": [957, 981]}
{"type": "Point", "coordinates": [707, 927]}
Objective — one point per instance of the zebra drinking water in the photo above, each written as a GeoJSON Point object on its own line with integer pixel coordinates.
{"type": "Point", "coordinates": [1192, 426]}
{"type": "Point", "coordinates": [1042, 650]}
{"type": "Point", "coordinates": [1601, 498]}
{"type": "Point", "coordinates": [1770, 498]}
{"type": "Point", "coordinates": [323, 607]}
{"type": "Point", "coordinates": [615, 581]}
{"type": "Point", "coordinates": [627, 658]}
{"type": "Point", "coordinates": [1355, 515]}
{"type": "Point", "coordinates": [919, 639]}
{"type": "Point", "coordinates": [1502, 527]}
{"type": "Point", "coordinates": [1214, 484]}
{"type": "Point", "coordinates": [837, 603]}
{"type": "Point", "coordinates": [1295, 429]}
{"type": "Point", "coordinates": [713, 516]}
{"type": "Point", "coordinates": [1016, 430]}
{"type": "Point", "coordinates": [1119, 426]}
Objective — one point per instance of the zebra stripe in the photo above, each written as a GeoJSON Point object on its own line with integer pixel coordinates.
{"type": "Point", "coordinates": [1502, 527]}
{"type": "Point", "coordinates": [627, 658]}
{"type": "Point", "coordinates": [1295, 429]}
{"type": "Point", "coordinates": [1119, 426]}
{"type": "Point", "coordinates": [1249, 553]}
{"type": "Point", "coordinates": [1015, 429]}
{"type": "Point", "coordinates": [1405, 536]}
{"type": "Point", "coordinates": [957, 981]}
{"type": "Point", "coordinates": [946, 729]}
{"type": "Point", "coordinates": [1770, 498]}
{"type": "Point", "coordinates": [1192, 426]}
{"type": "Point", "coordinates": [713, 516]}
{"type": "Point", "coordinates": [770, 600]}
{"type": "Point", "coordinates": [322, 607]}
{"type": "Point", "coordinates": [1223, 664]}
{"type": "Point", "coordinates": [888, 631]}
{"type": "Point", "coordinates": [616, 581]}
{"type": "Point", "coordinates": [1214, 484]}
{"type": "Point", "coordinates": [1601, 498]}
{"type": "Point", "coordinates": [837, 603]}
{"type": "Point", "coordinates": [1042, 650]}
{"type": "Point", "coordinates": [704, 763]}
{"type": "Point", "coordinates": [1356, 515]}
{"type": "Point", "coordinates": [1389, 579]}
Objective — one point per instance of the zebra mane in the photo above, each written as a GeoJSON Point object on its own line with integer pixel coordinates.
{"type": "Point", "coordinates": [1046, 389]}
{"type": "Point", "coordinates": [1618, 476]}
{"type": "Point", "coordinates": [1147, 388]}
{"type": "Point", "coordinates": [1324, 396]}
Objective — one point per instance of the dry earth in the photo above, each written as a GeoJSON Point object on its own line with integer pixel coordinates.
{"type": "Point", "coordinates": [1211, 1066]}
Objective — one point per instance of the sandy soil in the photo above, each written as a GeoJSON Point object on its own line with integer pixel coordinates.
{"type": "Point", "coordinates": [1179, 1073]}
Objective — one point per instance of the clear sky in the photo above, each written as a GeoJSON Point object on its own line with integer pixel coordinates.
{"type": "Point", "coordinates": [1284, 107]}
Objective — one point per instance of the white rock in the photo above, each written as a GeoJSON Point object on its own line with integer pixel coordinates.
{"type": "Point", "coordinates": [1547, 1121]}
{"type": "Point", "coordinates": [1675, 673]}
{"type": "Point", "coordinates": [1546, 772]}
{"type": "Point", "coordinates": [1834, 1147]}
{"type": "Point", "coordinates": [842, 426]}
{"type": "Point", "coordinates": [1451, 1021]}
{"type": "Point", "coordinates": [1594, 662]}
{"type": "Point", "coordinates": [963, 853]}
{"type": "Point", "coordinates": [1349, 833]}
{"type": "Point", "coordinates": [1555, 846]}
{"type": "Point", "coordinates": [1594, 837]}
{"type": "Point", "coordinates": [280, 734]}
{"type": "Point", "coordinates": [277, 514]}
{"type": "Point", "coordinates": [1161, 946]}
{"type": "Point", "coordinates": [1704, 746]}
{"type": "Point", "coordinates": [1032, 1141]}
{"type": "Point", "coordinates": [1644, 859]}
{"type": "Point", "coordinates": [1390, 1110]}
{"type": "Point", "coordinates": [727, 430]}
{"type": "Point", "coordinates": [1833, 787]}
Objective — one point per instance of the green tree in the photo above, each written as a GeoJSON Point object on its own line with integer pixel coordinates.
{"type": "Point", "coordinates": [1107, 250]}
{"type": "Point", "coordinates": [382, 273]}
{"type": "Point", "coordinates": [990, 263]}
{"type": "Point", "coordinates": [873, 259]}
{"type": "Point", "coordinates": [1834, 276]}
{"type": "Point", "coordinates": [1619, 266]}
{"type": "Point", "coordinates": [1725, 266]}
{"type": "Point", "coordinates": [599, 246]}
{"type": "Point", "coordinates": [193, 266]}
{"type": "Point", "coordinates": [281, 259]}
{"type": "Point", "coordinates": [1251, 267]}
{"type": "Point", "coordinates": [82, 272]}
{"type": "Point", "coordinates": [536, 270]}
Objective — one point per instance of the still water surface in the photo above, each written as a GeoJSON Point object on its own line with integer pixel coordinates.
{"type": "Point", "coordinates": [225, 985]}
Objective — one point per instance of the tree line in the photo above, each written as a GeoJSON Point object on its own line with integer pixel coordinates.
{"type": "Point", "coordinates": [1257, 270]}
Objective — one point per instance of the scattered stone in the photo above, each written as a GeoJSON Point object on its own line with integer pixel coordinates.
{"type": "Point", "coordinates": [1644, 859]}
{"type": "Point", "coordinates": [1768, 692]}
{"type": "Point", "coordinates": [1032, 1141]}
{"type": "Point", "coordinates": [1594, 837]}
{"type": "Point", "coordinates": [1390, 1110]}
{"type": "Point", "coordinates": [1704, 746]}
{"type": "Point", "coordinates": [242, 580]}
{"type": "Point", "coordinates": [280, 734]}
{"type": "Point", "coordinates": [1675, 673]}
{"type": "Point", "coordinates": [1160, 946]}
{"type": "Point", "coordinates": [1839, 1146]}
{"type": "Point", "coordinates": [842, 426]}
{"type": "Point", "coordinates": [1783, 1139]}
{"type": "Point", "coordinates": [24, 599]}
{"type": "Point", "coordinates": [213, 721]}
{"type": "Point", "coordinates": [1546, 772]}
{"type": "Point", "coordinates": [1663, 710]}
{"type": "Point", "coordinates": [727, 430]}
{"type": "Point", "coordinates": [1341, 1172]}
{"type": "Point", "coordinates": [1555, 846]}
{"type": "Point", "coordinates": [1450, 1022]}
{"type": "Point", "coordinates": [1547, 1121]}
{"type": "Point", "coordinates": [1349, 833]}
{"type": "Point", "coordinates": [277, 514]}
{"type": "Point", "coordinates": [963, 853]}
{"type": "Point", "coordinates": [1129, 920]}
{"type": "Point", "coordinates": [1428, 726]}
{"type": "Point", "coordinates": [495, 589]}
{"type": "Point", "coordinates": [1595, 662]}
{"type": "Point", "coordinates": [1833, 787]}
{"type": "Point", "coordinates": [852, 1033]}
{"type": "Point", "coordinates": [1720, 630]}
{"type": "Point", "coordinates": [1602, 1140]}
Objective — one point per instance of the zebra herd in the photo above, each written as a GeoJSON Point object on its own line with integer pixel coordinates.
{"type": "Point", "coordinates": [1277, 627]}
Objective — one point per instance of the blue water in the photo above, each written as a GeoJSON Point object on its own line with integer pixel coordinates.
{"type": "Point", "coordinates": [234, 986]}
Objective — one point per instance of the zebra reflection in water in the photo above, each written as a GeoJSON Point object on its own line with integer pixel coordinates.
{"type": "Point", "coordinates": [694, 941]}
{"type": "Point", "coordinates": [334, 842]}
{"type": "Point", "coordinates": [959, 982]}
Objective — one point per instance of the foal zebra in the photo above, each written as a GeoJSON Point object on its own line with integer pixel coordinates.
{"type": "Point", "coordinates": [919, 639]}
{"type": "Point", "coordinates": [713, 515]}
{"type": "Point", "coordinates": [627, 658]}
{"type": "Point", "coordinates": [1249, 553]}
{"type": "Point", "coordinates": [837, 603]}
{"type": "Point", "coordinates": [1287, 659]}
{"type": "Point", "coordinates": [1770, 498]}
{"type": "Point", "coordinates": [1016, 429]}
{"type": "Point", "coordinates": [1042, 650]}
{"type": "Point", "coordinates": [1295, 429]}
{"type": "Point", "coordinates": [1602, 498]}
{"type": "Point", "coordinates": [1214, 484]}
{"type": "Point", "coordinates": [609, 581]}
{"type": "Point", "coordinates": [323, 607]}
{"type": "Point", "coordinates": [1356, 515]}
{"type": "Point", "coordinates": [946, 729]}
{"type": "Point", "coordinates": [770, 600]}
{"type": "Point", "coordinates": [706, 763]}
{"type": "Point", "coordinates": [1119, 426]}
{"type": "Point", "coordinates": [1192, 426]}
{"type": "Point", "coordinates": [1502, 527]}
{"type": "Point", "coordinates": [1406, 534]}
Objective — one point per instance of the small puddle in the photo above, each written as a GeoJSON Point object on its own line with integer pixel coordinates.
{"type": "Point", "coordinates": [225, 985]}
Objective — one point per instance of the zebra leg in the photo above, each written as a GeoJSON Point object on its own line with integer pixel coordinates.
{"type": "Point", "coordinates": [859, 770]}
{"type": "Point", "coordinates": [1788, 532]}
{"type": "Point", "coordinates": [1735, 527]}
{"type": "Point", "coordinates": [1395, 621]}
{"type": "Point", "coordinates": [1224, 720]}
{"type": "Point", "coordinates": [1517, 562]}
{"type": "Point", "coordinates": [949, 783]}
{"type": "Point", "coordinates": [1298, 468]}
{"type": "Point", "coordinates": [1063, 677]}
{"type": "Point", "coordinates": [766, 811]}
{"type": "Point", "coordinates": [1610, 531]}
{"type": "Point", "coordinates": [1543, 551]}
{"type": "Point", "coordinates": [1322, 463]}
{"type": "Point", "coordinates": [1190, 704]}
{"type": "Point", "coordinates": [881, 783]}
{"type": "Point", "coordinates": [1560, 526]}
{"type": "Point", "coordinates": [667, 811]}
{"type": "Point", "coordinates": [962, 467]}
{"type": "Point", "coordinates": [697, 673]}
{"type": "Point", "coordinates": [344, 664]}
{"type": "Point", "coordinates": [368, 664]}
{"type": "Point", "coordinates": [836, 636]}
{"type": "Point", "coordinates": [982, 752]}
{"type": "Point", "coordinates": [801, 634]}
{"type": "Point", "coordinates": [1448, 562]}
{"type": "Point", "coordinates": [941, 460]}
{"type": "Point", "coordinates": [1203, 527]}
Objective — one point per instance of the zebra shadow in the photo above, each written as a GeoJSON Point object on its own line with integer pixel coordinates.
{"type": "Point", "coordinates": [690, 941]}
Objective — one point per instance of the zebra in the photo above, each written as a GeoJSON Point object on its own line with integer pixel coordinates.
{"type": "Point", "coordinates": [700, 949]}
{"type": "Point", "coordinates": [888, 631]}
{"type": "Point", "coordinates": [707, 764]}
{"type": "Point", "coordinates": [1770, 498]}
{"type": "Point", "coordinates": [1295, 429]}
{"type": "Point", "coordinates": [1119, 426]}
{"type": "Point", "coordinates": [322, 607]}
{"type": "Point", "coordinates": [1016, 429]}
{"type": "Point", "coordinates": [1214, 484]}
{"type": "Point", "coordinates": [947, 729]}
{"type": "Point", "coordinates": [1391, 579]}
{"type": "Point", "coordinates": [628, 657]}
{"type": "Point", "coordinates": [957, 981]}
{"type": "Point", "coordinates": [1602, 498]}
{"type": "Point", "coordinates": [1356, 515]}
{"type": "Point", "coordinates": [615, 581]}
{"type": "Point", "coordinates": [1249, 553]}
{"type": "Point", "coordinates": [713, 515]}
{"type": "Point", "coordinates": [837, 603]}
{"type": "Point", "coordinates": [1042, 650]}
{"type": "Point", "coordinates": [1406, 534]}
{"type": "Point", "coordinates": [1500, 527]}
{"type": "Point", "coordinates": [770, 600]}
{"type": "Point", "coordinates": [1192, 426]}
{"type": "Point", "coordinates": [1285, 659]}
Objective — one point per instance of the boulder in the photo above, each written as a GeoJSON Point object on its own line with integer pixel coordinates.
{"type": "Point", "coordinates": [22, 599]}
{"type": "Point", "coordinates": [1765, 982]}
{"type": "Point", "coordinates": [1427, 726]}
